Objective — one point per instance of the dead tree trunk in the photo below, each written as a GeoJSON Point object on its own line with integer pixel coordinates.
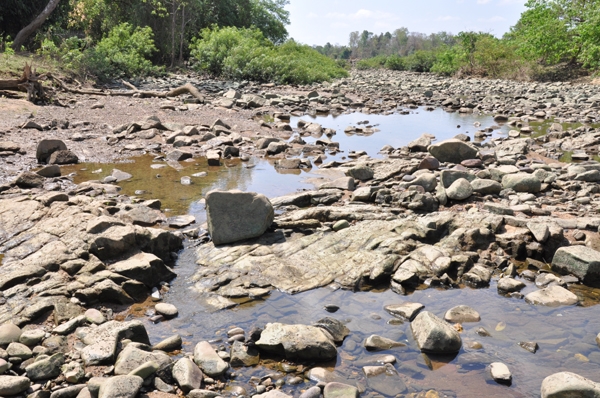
{"type": "Point", "coordinates": [34, 25]}
{"type": "Point", "coordinates": [28, 83]}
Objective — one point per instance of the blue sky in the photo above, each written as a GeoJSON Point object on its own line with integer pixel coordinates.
{"type": "Point", "coordinates": [317, 22]}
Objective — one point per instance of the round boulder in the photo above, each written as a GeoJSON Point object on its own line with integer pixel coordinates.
{"type": "Point", "coordinates": [460, 189]}
{"type": "Point", "coordinates": [462, 314]}
{"type": "Point", "coordinates": [452, 150]}
{"type": "Point", "coordinates": [567, 385]}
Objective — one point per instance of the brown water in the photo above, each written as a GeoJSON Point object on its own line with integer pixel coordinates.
{"type": "Point", "coordinates": [258, 175]}
{"type": "Point", "coordinates": [566, 336]}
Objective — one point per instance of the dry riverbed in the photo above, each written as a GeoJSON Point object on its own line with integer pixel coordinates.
{"type": "Point", "coordinates": [493, 209]}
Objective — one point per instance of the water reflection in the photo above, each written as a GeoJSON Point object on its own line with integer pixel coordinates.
{"type": "Point", "coordinates": [566, 336]}
{"type": "Point", "coordinates": [164, 183]}
{"type": "Point", "coordinates": [398, 130]}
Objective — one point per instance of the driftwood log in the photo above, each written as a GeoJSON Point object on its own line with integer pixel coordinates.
{"type": "Point", "coordinates": [29, 83]}
{"type": "Point", "coordinates": [187, 88]}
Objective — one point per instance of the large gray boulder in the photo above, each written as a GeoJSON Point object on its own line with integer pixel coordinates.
{"type": "Point", "coordinates": [452, 150]}
{"type": "Point", "coordinates": [297, 341]}
{"type": "Point", "coordinates": [522, 182]}
{"type": "Point", "coordinates": [434, 335]}
{"type": "Point", "coordinates": [581, 261]}
{"type": "Point", "coordinates": [233, 216]}
{"type": "Point", "coordinates": [569, 385]}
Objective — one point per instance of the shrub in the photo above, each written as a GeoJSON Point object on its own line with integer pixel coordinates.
{"type": "Point", "coordinates": [123, 52]}
{"type": "Point", "coordinates": [246, 54]}
{"type": "Point", "coordinates": [420, 61]}
{"type": "Point", "coordinates": [377, 62]}
{"type": "Point", "coordinates": [70, 52]}
{"type": "Point", "coordinates": [394, 62]}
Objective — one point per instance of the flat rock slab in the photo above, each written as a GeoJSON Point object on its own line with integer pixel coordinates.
{"type": "Point", "coordinates": [385, 380]}
{"type": "Point", "coordinates": [208, 360]}
{"type": "Point", "coordinates": [181, 221]}
{"type": "Point", "coordinates": [552, 296]}
{"type": "Point", "coordinates": [311, 261]}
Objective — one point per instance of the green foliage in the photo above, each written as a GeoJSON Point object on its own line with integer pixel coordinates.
{"type": "Point", "coordinates": [377, 62]}
{"type": "Point", "coordinates": [70, 52]}
{"type": "Point", "coordinates": [394, 62]}
{"type": "Point", "coordinates": [246, 54]}
{"type": "Point", "coordinates": [123, 52]}
{"type": "Point", "coordinates": [420, 61]}
{"type": "Point", "coordinates": [6, 47]}
{"type": "Point", "coordinates": [448, 61]}
{"type": "Point", "coordinates": [554, 31]}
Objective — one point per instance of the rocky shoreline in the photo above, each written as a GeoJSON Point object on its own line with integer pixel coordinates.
{"type": "Point", "coordinates": [460, 212]}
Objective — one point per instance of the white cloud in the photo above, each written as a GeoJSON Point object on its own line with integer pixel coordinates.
{"type": "Point", "coordinates": [447, 18]}
{"type": "Point", "coordinates": [496, 18]}
{"type": "Point", "coordinates": [483, 1]}
{"type": "Point", "coordinates": [362, 14]}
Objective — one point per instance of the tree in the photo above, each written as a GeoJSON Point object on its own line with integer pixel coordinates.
{"type": "Point", "coordinates": [28, 30]}
{"type": "Point", "coordinates": [553, 31]}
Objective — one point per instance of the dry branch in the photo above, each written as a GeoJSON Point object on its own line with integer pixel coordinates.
{"type": "Point", "coordinates": [187, 88]}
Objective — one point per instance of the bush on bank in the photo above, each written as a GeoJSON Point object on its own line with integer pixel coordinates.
{"type": "Point", "coordinates": [239, 53]}
{"type": "Point", "coordinates": [123, 52]}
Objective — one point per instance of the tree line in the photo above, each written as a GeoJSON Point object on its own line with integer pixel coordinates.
{"type": "Point", "coordinates": [550, 35]}
{"type": "Point", "coordinates": [111, 38]}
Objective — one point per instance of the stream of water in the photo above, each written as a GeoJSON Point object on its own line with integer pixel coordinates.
{"type": "Point", "coordinates": [566, 336]}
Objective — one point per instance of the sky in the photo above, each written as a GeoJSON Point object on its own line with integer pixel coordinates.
{"type": "Point", "coordinates": [316, 22]}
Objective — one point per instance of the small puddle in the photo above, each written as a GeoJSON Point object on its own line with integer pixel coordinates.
{"type": "Point", "coordinates": [164, 183]}
{"type": "Point", "coordinates": [398, 130]}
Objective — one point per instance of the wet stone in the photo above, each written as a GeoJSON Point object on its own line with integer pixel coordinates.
{"type": "Point", "coordinates": [167, 310]}
{"type": "Point", "coordinates": [340, 390]}
{"type": "Point", "coordinates": [406, 310]}
{"type": "Point", "coordinates": [181, 221]}
{"type": "Point", "coordinates": [500, 373]}
{"type": "Point", "coordinates": [462, 314]}
{"type": "Point", "coordinates": [530, 346]}
{"type": "Point", "coordinates": [378, 343]}
{"type": "Point", "coordinates": [242, 355]}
